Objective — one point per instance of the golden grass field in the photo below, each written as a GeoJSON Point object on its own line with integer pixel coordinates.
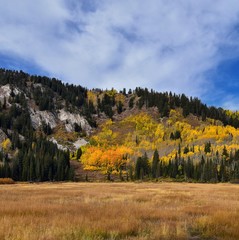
{"type": "Point", "coordinates": [50, 211]}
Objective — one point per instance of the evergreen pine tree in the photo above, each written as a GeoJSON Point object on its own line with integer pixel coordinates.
{"type": "Point", "coordinates": [155, 164]}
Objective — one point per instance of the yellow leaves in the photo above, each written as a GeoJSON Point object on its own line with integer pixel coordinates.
{"type": "Point", "coordinates": [124, 150]}
{"type": "Point", "coordinates": [6, 144]}
{"type": "Point", "coordinates": [107, 124]}
{"type": "Point", "coordinates": [145, 144]}
{"type": "Point", "coordinates": [91, 168]}
{"type": "Point", "coordinates": [232, 114]}
{"type": "Point", "coordinates": [105, 159]}
{"type": "Point", "coordinates": [169, 123]}
{"type": "Point", "coordinates": [172, 113]}
{"type": "Point", "coordinates": [106, 136]}
{"type": "Point", "coordinates": [138, 119]}
{"type": "Point", "coordinates": [218, 133]}
{"type": "Point", "coordinates": [141, 132]}
{"type": "Point", "coordinates": [91, 96]}
{"type": "Point", "coordinates": [190, 154]}
{"type": "Point", "coordinates": [229, 113]}
{"type": "Point", "coordinates": [174, 116]}
{"type": "Point", "coordinates": [120, 98]}
{"type": "Point", "coordinates": [92, 156]}
{"type": "Point", "coordinates": [111, 93]}
{"type": "Point", "coordinates": [144, 124]}
{"type": "Point", "coordinates": [159, 133]}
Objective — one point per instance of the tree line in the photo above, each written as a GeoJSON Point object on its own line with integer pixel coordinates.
{"type": "Point", "coordinates": [222, 168]}
{"type": "Point", "coordinates": [76, 97]}
{"type": "Point", "coordinates": [37, 160]}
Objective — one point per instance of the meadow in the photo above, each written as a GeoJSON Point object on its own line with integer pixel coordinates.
{"type": "Point", "coordinates": [70, 211]}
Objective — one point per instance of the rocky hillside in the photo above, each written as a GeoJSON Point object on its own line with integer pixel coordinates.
{"type": "Point", "coordinates": [48, 129]}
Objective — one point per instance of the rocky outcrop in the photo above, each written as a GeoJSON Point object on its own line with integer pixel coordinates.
{"type": "Point", "coordinates": [53, 119]}
{"type": "Point", "coordinates": [70, 119]}
{"type": "Point", "coordinates": [58, 144]}
{"type": "Point", "coordinates": [80, 142]}
{"type": "Point", "coordinates": [38, 117]}
{"type": "Point", "coordinates": [5, 92]}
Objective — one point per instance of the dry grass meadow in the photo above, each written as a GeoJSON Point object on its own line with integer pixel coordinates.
{"type": "Point", "coordinates": [119, 211]}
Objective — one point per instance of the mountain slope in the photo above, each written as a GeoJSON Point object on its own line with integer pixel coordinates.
{"type": "Point", "coordinates": [45, 128]}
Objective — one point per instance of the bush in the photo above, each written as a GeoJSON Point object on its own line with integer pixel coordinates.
{"type": "Point", "coordinates": [6, 181]}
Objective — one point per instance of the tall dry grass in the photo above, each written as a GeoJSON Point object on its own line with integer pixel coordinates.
{"type": "Point", "coordinates": [71, 211]}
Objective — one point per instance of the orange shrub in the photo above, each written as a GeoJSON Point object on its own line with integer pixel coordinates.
{"type": "Point", "coordinates": [6, 181]}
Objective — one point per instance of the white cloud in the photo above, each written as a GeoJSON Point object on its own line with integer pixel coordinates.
{"type": "Point", "coordinates": [165, 45]}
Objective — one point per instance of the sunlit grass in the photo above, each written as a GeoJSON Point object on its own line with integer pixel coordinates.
{"type": "Point", "coordinates": [119, 211]}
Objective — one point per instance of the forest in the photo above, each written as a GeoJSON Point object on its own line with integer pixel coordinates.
{"type": "Point", "coordinates": [137, 134]}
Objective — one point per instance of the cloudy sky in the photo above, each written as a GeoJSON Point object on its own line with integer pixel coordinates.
{"type": "Point", "coordinates": [184, 46]}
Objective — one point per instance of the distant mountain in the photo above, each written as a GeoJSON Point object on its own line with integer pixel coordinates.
{"type": "Point", "coordinates": [52, 131]}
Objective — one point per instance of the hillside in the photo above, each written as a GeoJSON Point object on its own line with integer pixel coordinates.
{"type": "Point", "coordinates": [49, 129]}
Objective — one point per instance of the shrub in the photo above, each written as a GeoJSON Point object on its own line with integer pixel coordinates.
{"type": "Point", "coordinates": [6, 181]}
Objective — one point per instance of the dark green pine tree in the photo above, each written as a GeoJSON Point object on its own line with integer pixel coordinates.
{"type": "Point", "coordinates": [207, 147]}
{"type": "Point", "coordinates": [78, 153]}
{"type": "Point", "coordinates": [138, 167]}
{"type": "Point", "coordinates": [120, 107]}
{"type": "Point", "coordinates": [154, 168]}
{"type": "Point", "coordinates": [142, 167]}
{"type": "Point", "coordinates": [131, 102]}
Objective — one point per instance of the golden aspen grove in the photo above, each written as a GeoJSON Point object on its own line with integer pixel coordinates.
{"type": "Point", "coordinates": [117, 144]}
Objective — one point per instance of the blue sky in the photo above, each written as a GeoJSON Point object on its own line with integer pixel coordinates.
{"type": "Point", "coordinates": [183, 46]}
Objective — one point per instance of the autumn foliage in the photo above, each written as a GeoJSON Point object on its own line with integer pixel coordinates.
{"type": "Point", "coordinates": [179, 141]}
{"type": "Point", "coordinates": [109, 160]}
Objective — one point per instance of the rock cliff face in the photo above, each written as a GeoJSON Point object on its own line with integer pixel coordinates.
{"type": "Point", "coordinates": [38, 117]}
{"type": "Point", "coordinates": [53, 118]}
{"type": "Point", "coordinates": [69, 119]}
{"type": "Point", "coordinates": [62, 120]}
{"type": "Point", "coordinates": [79, 143]}
{"type": "Point", "coordinates": [62, 117]}
{"type": "Point", "coordinates": [5, 93]}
